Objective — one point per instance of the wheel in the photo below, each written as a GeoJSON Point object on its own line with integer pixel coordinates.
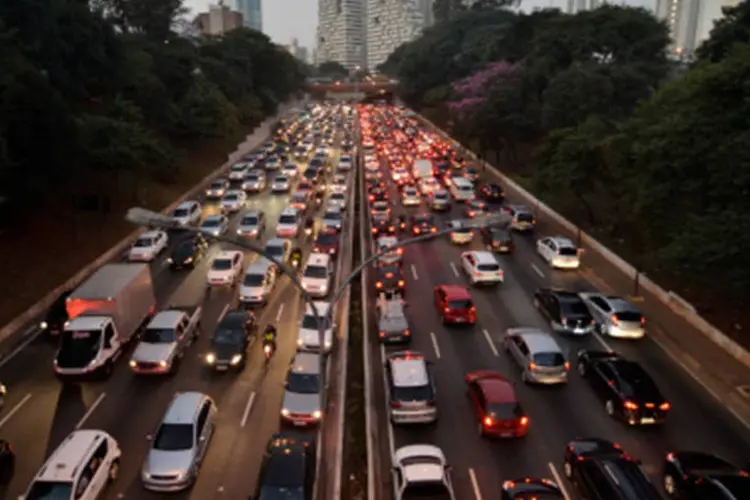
{"type": "Point", "coordinates": [536, 303]}
{"type": "Point", "coordinates": [568, 470]}
{"type": "Point", "coordinates": [114, 471]}
{"type": "Point", "coordinates": [609, 407]}
{"type": "Point", "coordinates": [108, 368]}
{"type": "Point", "coordinates": [669, 485]}
{"type": "Point", "coordinates": [602, 330]}
{"type": "Point", "coordinates": [581, 369]}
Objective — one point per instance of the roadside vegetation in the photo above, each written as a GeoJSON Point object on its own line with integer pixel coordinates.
{"type": "Point", "coordinates": [111, 103]}
{"type": "Point", "coordinates": [647, 152]}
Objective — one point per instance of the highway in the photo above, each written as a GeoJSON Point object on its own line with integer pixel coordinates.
{"type": "Point", "coordinates": [557, 414]}
{"type": "Point", "coordinates": [40, 412]}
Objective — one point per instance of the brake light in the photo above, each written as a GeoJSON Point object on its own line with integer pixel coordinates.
{"type": "Point", "coordinates": [400, 251]}
{"type": "Point", "coordinates": [533, 220]}
{"type": "Point", "coordinates": [407, 333]}
{"type": "Point", "coordinates": [629, 405]}
{"type": "Point", "coordinates": [615, 320]}
{"type": "Point", "coordinates": [567, 365]}
{"type": "Point", "coordinates": [488, 422]}
{"type": "Point", "coordinates": [477, 274]}
{"type": "Point", "coordinates": [563, 320]}
{"type": "Point", "coordinates": [379, 285]}
{"type": "Point", "coordinates": [643, 321]}
{"type": "Point", "coordinates": [532, 366]}
{"type": "Point", "coordinates": [417, 230]}
{"type": "Point", "coordinates": [374, 230]}
{"type": "Point", "coordinates": [524, 421]}
{"type": "Point", "coordinates": [395, 404]}
{"type": "Point", "coordinates": [447, 310]}
{"type": "Point", "coordinates": [400, 282]}
{"type": "Point", "coordinates": [381, 334]}
{"type": "Point", "coordinates": [434, 230]}
{"type": "Point", "coordinates": [665, 407]}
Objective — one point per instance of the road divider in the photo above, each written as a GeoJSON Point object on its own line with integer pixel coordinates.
{"type": "Point", "coordinates": [493, 348]}
{"type": "Point", "coordinates": [435, 345]}
{"type": "Point", "coordinates": [248, 409]}
{"type": "Point", "coordinates": [91, 410]}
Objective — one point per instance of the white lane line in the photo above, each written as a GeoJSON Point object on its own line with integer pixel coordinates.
{"type": "Point", "coordinates": [29, 336]}
{"type": "Point", "coordinates": [537, 270]}
{"type": "Point", "coordinates": [602, 342]}
{"type": "Point", "coordinates": [248, 407]}
{"type": "Point", "coordinates": [490, 342]}
{"type": "Point", "coordinates": [558, 480]}
{"type": "Point", "coordinates": [414, 272]}
{"type": "Point", "coordinates": [91, 409]}
{"type": "Point", "coordinates": [435, 344]}
{"type": "Point", "coordinates": [223, 313]}
{"type": "Point", "coordinates": [475, 485]}
{"type": "Point", "coordinates": [391, 439]}
{"type": "Point", "coordinates": [455, 270]}
{"type": "Point", "coordinates": [14, 410]}
{"type": "Point", "coordinates": [279, 312]}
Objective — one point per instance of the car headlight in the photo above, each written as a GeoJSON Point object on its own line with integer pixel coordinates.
{"type": "Point", "coordinates": [170, 260]}
{"type": "Point", "coordinates": [285, 412]}
{"type": "Point", "coordinates": [317, 414]}
{"type": "Point", "coordinates": [236, 359]}
{"type": "Point", "coordinates": [163, 364]}
{"type": "Point", "coordinates": [133, 364]}
{"type": "Point", "coordinates": [210, 358]}
{"type": "Point", "coordinates": [188, 260]}
{"type": "Point", "coordinates": [299, 342]}
{"type": "Point", "coordinates": [43, 325]}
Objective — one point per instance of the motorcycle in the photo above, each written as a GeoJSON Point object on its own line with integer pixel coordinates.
{"type": "Point", "coordinates": [295, 261]}
{"type": "Point", "coordinates": [268, 351]}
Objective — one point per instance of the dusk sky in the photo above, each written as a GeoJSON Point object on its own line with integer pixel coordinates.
{"type": "Point", "coordinates": [287, 19]}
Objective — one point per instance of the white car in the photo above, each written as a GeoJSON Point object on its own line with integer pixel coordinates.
{"type": "Point", "coordinates": [254, 182]}
{"type": "Point", "coordinates": [380, 210]}
{"type": "Point", "coordinates": [281, 184]}
{"type": "Point", "coordinates": [482, 267]}
{"type": "Point", "coordinates": [187, 213]}
{"type": "Point", "coordinates": [322, 150]}
{"type": "Point", "coordinates": [226, 268]}
{"type": "Point", "coordinates": [252, 225]}
{"type": "Point", "coordinates": [399, 173]}
{"type": "Point", "coordinates": [215, 225]}
{"type": "Point", "coordinates": [461, 235]}
{"type": "Point", "coordinates": [217, 188]}
{"type": "Point", "coordinates": [291, 170]}
{"type": "Point", "coordinates": [392, 257]}
{"type": "Point", "coordinates": [337, 199]}
{"type": "Point", "coordinates": [289, 223]}
{"type": "Point", "coordinates": [308, 337]}
{"type": "Point", "coordinates": [410, 197]}
{"type": "Point", "coordinates": [419, 469]}
{"type": "Point", "coordinates": [148, 246]}
{"type": "Point", "coordinates": [333, 219]}
{"type": "Point", "coordinates": [338, 184]}
{"type": "Point", "coordinates": [429, 185]}
{"type": "Point", "coordinates": [272, 163]}
{"type": "Point", "coordinates": [559, 252]}
{"type": "Point", "coordinates": [345, 163]}
{"type": "Point", "coordinates": [238, 171]}
{"type": "Point", "coordinates": [233, 200]}
{"type": "Point", "coordinates": [372, 165]}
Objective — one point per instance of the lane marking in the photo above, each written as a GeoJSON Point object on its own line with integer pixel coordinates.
{"type": "Point", "coordinates": [435, 344]}
{"type": "Point", "coordinates": [223, 313]}
{"type": "Point", "coordinates": [455, 270]}
{"type": "Point", "coordinates": [558, 480]}
{"type": "Point", "coordinates": [28, 339]}
{"type": "Point", "coordinates": [475, 484]}
{"type": "Point", "coordinates": [537, 270]}
{"type": "Point", "coordinates": [91, 409]}
{"type": "Point", "coordinates": [248, 407]}
{"type": "Point", "coordinates": [14, 410]}
{"type": "Point", "coordinates": [414, 272]}
{"type": "Point", "coordinates": [279, 312]}
{"type": "Point", "coordinates": [391, 439]}
{"type": "Point", "coordinates": [602, 342]}
{"type": "Point", "coordinates": [490, 342]}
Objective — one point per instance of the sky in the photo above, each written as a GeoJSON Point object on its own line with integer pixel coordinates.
{"type": "Point", "coordinates": [287, 19]}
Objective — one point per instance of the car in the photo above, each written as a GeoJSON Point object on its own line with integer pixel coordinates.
{"type": "Point", "coordinates": [471, 174]}
{"type": "Point", "coordinates": [392, 257]}
{"type": "Point", "coordinates": [317, 275]}
{"type": "Point", "coordinates": [252, 224]}
{"type": "Point", "coordinates": [475, 208]}
{"type": "Point", "coordinates": [53, 322]}
{"type": "Point", "coordinates": [180, 443]}
{"type": "Point", "coordinates": [345, 163]}
{"type": "Point", "coordinates": [410, 388]}
{"type": "Point", "coordinates": [3, 394]}
{"type": "Point", "coordinates": [305, 186]}
{"type": "Point", "coordinates": [529, 488]}
{"type": "Point", "coordinates": [332, 219]}
{"type": "Point", "coordinates": [215, 225]}
{"type": "Point", "coordinates": [226, 268]}
{"type": "Point", "coordinates": [627, 390]}
{"type": "Point", "coordinates": [615, 316]}
{"type": "Point", "coordinates": [7, 462]}
{"type": "Point", "coordinates": [217, 188]}
{"type": "Point", "coordinates": [291, 170]}
{"type": "Point", "coordinates": [410, 197]}
{"type": "Point", "coordinates": [254, 182]}
{"type": "Point", "coordinates": [272, 163]}
{"type": "Point", "coordinates": [497, 409]}
{"type": "Point", "coordinates": [188, 252]}
{"type": "Point", "coordinates": [302, 403]}
{"type": "Point", "coordinates": [695, 475]}
{"type": "Point", "coordinates": [537, 354]}
{"type": "Point", "coordinates": [165, 341]}
{"type": "Point", "coordinates": [231, 340]}
{"type": "Point", "coordinates": [308, 336]}
{"type": "Point", "coordinates": [237, 171]}
{"type": "Point", "coordinates": [281, 184]}
{"type": "Point", "coordinates": [497, 239]}
{"type": "Point", "coordinates": [455, 305]}
{"type": "Point", "coordinates": [148, 246]}
{"type": "Point", "coordinates": [602, 470]}
{"type": "Point", "coordinates": [429, 184]}
{"type": "Point", "coordinates": [378, 193]}
{"type": "Point", "coordinates": [337, 200]}
{"type": "Point", "coordinates": [421, 471]}
{"type": "Point", "coordinates": [327, 241]}
{"type": "Point", "coordinates": [288, 225]}
{"type": "Point", "coordinates": [423, 224]}
{"type": "Point", "coordinates": [338, 184]}
{"type": "Point", "coordinates": [559, 252]}
{"type": "Point", "coordinates": [491, 192]}
{"type": "Point", "coordinates": [288, 468]}
{"type": "Point", "coordinates": [460, 235]}
{"type": "Point", "coordinates": [390, 279]}
{"type": "Point", "coordinates": [566, 311]}
{"type": "Point", "coordinates": [279, 249]}
{"type": "Point", "coordinates": [258, 283]}
{"type": "Point", "coordinates": [233, 200]}
{"type": "Point", "coordinates": [187, 213]}
{"type": "Point", "coordinates": [522, 219]}
{"type": "Point", "coordinates": [381, 227]}
{"type": "Point", "coordinates": [299, 200]}
{"type": "Point", "coordinates": [439, 200]}
{"type": "Point", "coordinates": [481, 267]}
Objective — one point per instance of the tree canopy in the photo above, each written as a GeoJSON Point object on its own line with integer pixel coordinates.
{"type": "Point", "coordinates": [109, 85]}
{"type": "Point", "coordinates": [332, 68]}
{"type": "Point", "coordinates": [649, 161]}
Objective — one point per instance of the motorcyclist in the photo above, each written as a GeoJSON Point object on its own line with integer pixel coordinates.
{"type": "Point", "coordinates": [296, 256]}
{"type": "Point", "coordinates": [269, 337]}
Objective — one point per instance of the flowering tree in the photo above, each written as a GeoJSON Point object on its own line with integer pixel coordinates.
{"type": "Point", "coordinates": [472, 92]}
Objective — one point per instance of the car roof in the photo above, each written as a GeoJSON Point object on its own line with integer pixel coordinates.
{"type": "Point", "coordinates": [408, 369]}
{"type": "Point", "coordinates": [254, 213]}
{"type": "Point", "coordinates": [166, 319]}
{"type": "Point", "coordinates": [186, 204]}
{"type": "Point", "coordinates": [213, 217]}
{"type": "Point", "coordinates": [306, 362]}
{"type": "Point", "coordinates": [540, 341]}
{"type": "Point", "coordinates": [234, 319]}
{"type": "Point", "coordinates": [276, 242]}
{"type": "Point", "coordinates": [562, 241]}
{"type": "Point", "coordinates": [484, 257]}
{"type": "Point", "coordinates": [151, 234]}
{"type": "Point", "coordinates": [289, 211]}
{"type": "Point", "coordinates": [456, 291]}
{"type": "Point", "coordinates": [184, 408]}
{"type": "Point", "coordinates": [64, 463]}
{"type": "Point", "coordinates": [497, 390]}
{"type": "Point", "coordinates": [321, 305]}
{"type": "Point", "coordinates": [318, 259]}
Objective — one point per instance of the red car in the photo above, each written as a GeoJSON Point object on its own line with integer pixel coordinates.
{"type": "Point", "coordinates": [498, 411]}
{"type": "Point", "coordinates": [327, 241]}
{"type": "Point", "coordinates": [455, 305]}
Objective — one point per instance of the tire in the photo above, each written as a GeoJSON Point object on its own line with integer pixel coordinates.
{"type": "Point", "coordinates": [537, 305]}
{"type": "Point", "coordinates": [567, 469]}
{"type": "Point", "coordinates": [609, 407]}
{"type": "Point", "coordinates": [114, 471]}
{"type": "Point", "coordinates": [582, 369]}
{"type": "Point", "coordinates": [108, 369]}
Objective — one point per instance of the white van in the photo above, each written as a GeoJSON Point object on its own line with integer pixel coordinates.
{"type": "Point", "coordinates": [317, 275]}
{"type": "Point", "coordinates": [461, 188]}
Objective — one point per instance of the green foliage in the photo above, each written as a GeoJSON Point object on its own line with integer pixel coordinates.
{"type": "Point", "coordinates": [332, 68]}
{"type": "Point", "coordinates": [732, 29]}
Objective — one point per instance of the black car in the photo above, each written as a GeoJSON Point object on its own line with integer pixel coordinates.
{"type": "Point", "coordinates": [423, 224]}
{"type": "Point", "coordinates": [288, 469]}
{"type": "Point", "coordinates": [529, 488]}
{"type": "Point", "coordinates": [492, 192]}
{"type": "Point", "coordinates": [601, 470]}
{"type": "Point", "coordinates": [57, 315]}
{"type": "Point", "coordinates": [383, 227]}
{"type": "Point", "coordinates": [475, 208]}
{"type": "Point", "coordinates": [378, 194]}
{"type": "Point", "coordinates": [7, 462]}
{"type": "Point", "coordinates": [566, 311]}
{"type": "Point", "coordinates": [188, 252]}
{"type": "Point", "coordinates": [231, 341]}
{"type": "Point", "coordinates": [390, 279]}
{"type": "Point", "coordinates": [694, 475]}
{"type": "Point", "coordinates": [498, 240]}
{"type": "Point", "coordinates": [628, 392]}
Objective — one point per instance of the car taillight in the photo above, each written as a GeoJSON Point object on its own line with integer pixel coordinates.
{"type": "Point", "coordinates": [400, 282]}
{"type": "Point", "coordinates": [488, 422]}
{"type": "Point", "coordinates": [665, 407]}
{"type": "Point", "coordinates": [381, 334]}
{"type": "Point", "coordinates": [643, 321]}
{"type": "Point", "coordinates": [374, 230]}
{"type": "Point", "coordinates": [629, 405]}
{"type": "Point", "coordinates": [532, 367]}
{"type": "Point", "coordinates": [615, 320]}
{"type": "Point", "coordinates": [524, 421]}
{"type": "Point", "coordinates": [379, 285]}
{"type": "Point", "coordinates": [567, 365]}
{"type": "Point", "coordinates": [407, 333]}
{"type": "Point", "coordinates": [400, 251]}
{"type": "Point", "coordinates": [447, 310]}
{"type": "Point", "coordinates": [417, 230]}
{"type": "Point", "coordinates": [434, 230]}
{"type": "Point", "coordinates": [395, 404]}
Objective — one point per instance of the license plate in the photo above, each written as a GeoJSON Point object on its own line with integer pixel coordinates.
{"type": "Point", "coordinates": [646, 420]}
{"type": "Point", "coordinates": [460, 320]}
{"type": "Point", "coordinates": [506, 434]}
{"type": "Point", "coordinates": [222, 368]}
{"type": "Point", "coordinates": [503, 249]}
{"type": "Point", "coordinates": [299, 423]}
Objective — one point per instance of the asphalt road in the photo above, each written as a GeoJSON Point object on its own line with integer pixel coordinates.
{"type": "Point", "coordinates": [40, 412]}
{"type": "Point", "coordinates": [557, 414]}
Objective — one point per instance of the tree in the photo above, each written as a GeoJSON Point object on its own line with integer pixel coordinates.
{"type": "Point", "coordinates": [445, 10]}
{"type": "Point", "coordinates": [732, 29]}
{"type": "Point", "coordinates": [332, 68]}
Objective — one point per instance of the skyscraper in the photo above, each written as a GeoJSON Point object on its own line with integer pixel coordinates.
{"type": "Point", "coordinates": [690, 21]}
{"type": "Point", "coordinates": [341, 33]}
{"type": "Point", "coordinates": [251, 13]}
{"type": "Point", "coordinates": [218, 20]}
{"type": "Point", "coordinates": [391, 23]}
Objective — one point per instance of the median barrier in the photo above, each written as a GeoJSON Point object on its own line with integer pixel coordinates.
{"type": "Point", "coordinates": [611, 268]}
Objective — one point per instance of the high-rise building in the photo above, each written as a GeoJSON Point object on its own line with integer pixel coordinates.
{"type": "Point", "coordinates": [690, 21]}
{"type": "Point", "coordinates": [581, 5]}
{"type": "Point", "coordinates": [251, 13]}
{"type": "Point", "coordinates": [391, 23]}
{"type": "Point", "coordinates": [341, 33]}
{"type": "Point", "coordinates": [297, 50]}
{"type": "Point", "coordinates": [218, 20]}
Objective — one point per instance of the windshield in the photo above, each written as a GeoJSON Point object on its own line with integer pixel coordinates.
{"type": "Point", "coordinates": [332, 216]}
{"type": "Point", "coordinates": [253, 280]}
{"type": "Point", "coordinates": [574, 309]}
{"type": "Point", "coordinates": [78, 348]}
{"type": "Point", "coordinates": [315, 272]}
{"type": "Point", "coordinates": [231, 197]}
{"type": "Point", "coordinates": [49, 490]}
{"type": "Point", "coordinates": [281, 493]}
{"type": "Point", "coordinates": [221, 265]}
{"type": "Point", "coordinates": [281, 179]}
{"type": "Point", "coordinates": [143, 242]}
{"type": "Point", "coordinates": [440, 196]}
{"type": "Point", "coordinates": [525, 217]}
{"type": "Point", "coordinates": [217, 185]}
{"type": "Point", "coordinates": [275, 250]}
{"type": "Point", "coordinates": [252, 178]}
{"type": "Point", "coordinates": [425, 219]}
{"type": "Point", "coordinates": [159, 336]}
{"type": "Point", "coordinates": [459, 304]}
{"type": "Point", "coordinates": [299, 198]}
{"type": "Point", "coordinates": [549, 359]}
{"type": "Point", "coordinates": [227, 336]}
{"type": "Point", "coordinates": [174, 437]}
{"type": "Point", "coordinates": [629, 316]}
{"type": "Point", "coordinates": [303, 383]}
{"type": "Point", "coordinates": [338, 196]}
{"type": "Point", "coordinates": [212, 223]}
{"type": "Point", "coordinates": [568, 251]}
{"type": "Point", "coordinates": [417, 393]}
{"type": "Point", "coordinates": [326, 239]}
{"type": "Point", "coordinates": [288, 219]}
{"type": "Point", "coordinates": [310, 322]}
{"type": "Point", "coordinates": [426, 490]}
{"type": "Point", "coordinates": [504, 411]}
{"type": "Point", "coordinates": [249, 221]}
{"type": "Point", "coordinates": [488, 267]}
{"type": "Point", "coordinates": [238, 168]}
{"type": "Point", "coordinates": [181, 212]}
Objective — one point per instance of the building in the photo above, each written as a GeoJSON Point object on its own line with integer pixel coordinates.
{"type": "Point", "coordinates": [341, 33]}
{"type": "Point", "coordinates": [218, 20]}
{"type": "Point", "coordinates": [690, 21]}
{"type": "Point", "coordinates": [251, 13]}
{"type": "Point", "coordinates": [391, 23]}
{"type": "Point", "coordinates": [297, 50]}
{"type": "Point", "coordinates": [581, 5]}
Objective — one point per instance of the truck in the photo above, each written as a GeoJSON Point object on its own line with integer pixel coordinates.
{"type": "Point", "coordinates": [105, 313]}
{"type": "Point", "coordinates": [422, 169]}
{"type": "Point", "coordinates": [165, 340]}
{"type": "Point", "coordinates": [393, 327]}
